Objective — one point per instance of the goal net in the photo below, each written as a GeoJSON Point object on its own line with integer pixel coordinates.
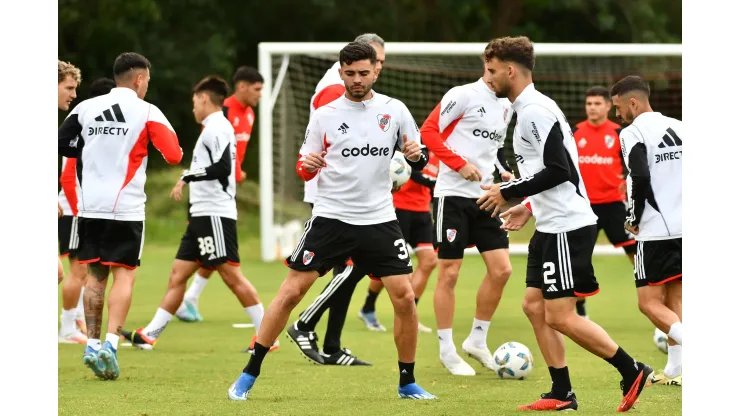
{"type": "Point", "coordinates": [419, 74]}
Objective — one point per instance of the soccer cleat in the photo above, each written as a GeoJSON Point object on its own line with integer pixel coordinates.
{"type": "Point", "coordinates": [91, 361]}
{"type": "Point", "coordinates": [188, 312]}
{"type": "Point", "coordinates": [425, 329]}
{"type": "Point", "coordinates": [482, 355]}
{"type": "Point", "coordinates": [80, 323]}
{"type": "Point", "coordinates": [371, 321]}
{"type": "Point", "coordinates": [139, 340]}
{"type": "Point", "coordinates": [250, 350]}
{"type": "Point", "coordinates": [631, 391]}
{"type": "Point", "coordinates": [342, 357]}
{"type": "Point", "coordinates": [662, 379]}
{"type": "Point", "coordinates": [306, 343]}
{"type": "Point", "coordinates": [548, 402]}
{"type": "Point", "coordinates": [414, 392]}
{"type": "Point", "coordinates": [74, 337]}
{"type": "Point", "coordinates": [456, 365]}
{"type": "Point", "coordinates": [108, 358]}
{"type": "Point", "coordinates": [241, 387]}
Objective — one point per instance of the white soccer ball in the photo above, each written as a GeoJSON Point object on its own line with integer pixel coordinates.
{"type": "Point", "coordinates": [661, 340]}
{"type": "Point", "coordinates": [400, 169]}
{"type": "Point", "coordinates": [513, 360]}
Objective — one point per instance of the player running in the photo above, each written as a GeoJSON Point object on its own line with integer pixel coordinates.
{"type": "Point", "coordinates": [466, 131]}
{"type": "Point", "coordinates": [210, 239]}
{"type": "Point", "coordinates": [109, 135]}
{"type": "Point", "coordinates": [559, 266]}
{"type": "Point", "coordinates": [351, 141]}
{"type": "Point", "coordinates": [652, 145]}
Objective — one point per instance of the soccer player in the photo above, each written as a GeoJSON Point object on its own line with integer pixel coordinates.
{"type": "Point", "coordinates": [466, 130]}
{"type": "Point", "coordinates": [238, 109]}
{"type": "Point", "coordinates": [351, 141]}
{"type": "Point", "coordinates": [109, 136]}
{"type": "Point", "coordinates": [210, 239]}
{"type": "Point", "coordinates": [653, 148]}
{"type": "Point", "coordinates": [72, 318]}
{"type": "Point", "coordinates": [559, 264]}
{"type": "Point", "coordinates": [73, 312]}
{"type": "Point", "coordinates": [603, 170]}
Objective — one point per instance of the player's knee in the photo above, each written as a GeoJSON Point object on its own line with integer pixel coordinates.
{"type": "Point", "coordinates": [534, 310]}
{"type": "Point", "coordinates": [291, 297]}
{"type": "Point", "coordinates": [501, 272]}
{"type": "Point", "coordinates": [448, 274]}
{"type": "Point", "coordinates": [404, 302]}
{"type": "Point", "coordinates": [427, 264]}
{"type": "Point", "coordinates": [647, 305]}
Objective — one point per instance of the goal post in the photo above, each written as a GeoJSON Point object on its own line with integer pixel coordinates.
{"type": "Point", "coordinates": [419, 74]}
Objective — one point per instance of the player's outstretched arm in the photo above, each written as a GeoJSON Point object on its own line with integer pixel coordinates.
{"type": "Point", "coordinates": [635, 153]}
{"type": "Point", "coordinates": [163, 136]}
{"type": "Point", "coordinates": [440, 124]}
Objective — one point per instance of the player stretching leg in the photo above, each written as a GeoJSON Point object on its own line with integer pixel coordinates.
{"type": "Point", "coordinates": [114, 131]}
{"type": "Point", "coordinates": [559, 266]}
{"type": "Point", "coordinates": [210, 239]}
{"type": "Point", "coordinates": [238, 109]}
{"type": "Point", "coordinates": [466, 131]}
{"type": "Point", "coordinates": [603, 170]}
{"type": "Point", "coordinates": [653, 149]}
{"type": "Point", "coordinates": [353, 215]}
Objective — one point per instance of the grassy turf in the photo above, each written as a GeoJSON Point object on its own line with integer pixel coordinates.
{"type": "Point", "coordinates": [194, 364]}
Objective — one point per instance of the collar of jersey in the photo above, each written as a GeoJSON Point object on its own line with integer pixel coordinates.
{"type": "Point", "coordinates": [486, 87]}
{"type": "Point", "coordinates": [234, 102]}
{"type": "Point", "coordinates": [648, 112]}
{"type": "Point", "coordinates": [211, 116]}
{"type": "Point", "coordinates": [522, 99]}
{"type": "Point", "coordinates": [123, 90]}
{"type": "Point", "coordinates": [361, 104]}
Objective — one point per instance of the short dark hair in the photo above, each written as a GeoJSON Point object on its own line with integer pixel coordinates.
{"type": "Point", "coordinates": [598, 91]}
{"type": "Point", "coordinates": [508, 49]}
{"type": "Point", "coordinates": [247, 74]}
{"type": "Point", "coordinates": [100, 86]}
{"type": "Point", "coordinates": [629, 84]}
{"type": "Point", "coordinates": [128, 61]}
{"type": "Point", "coordinates": [215, 87]}
{"type": "Point", "coordinates": [357, 51]}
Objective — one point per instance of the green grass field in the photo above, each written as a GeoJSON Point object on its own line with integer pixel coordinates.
{"type": "Point", "coordinates": [194, 364]}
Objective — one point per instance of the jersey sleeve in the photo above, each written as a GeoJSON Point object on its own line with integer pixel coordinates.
{"type": "Point", "coordinates": [70, 139]}
{"type": "Point", "coordinates": [163, 136]}
{"type": "Point", "coordinates": [327, 95]}
{"type": "Point", "coordinates": [440, 124]}
{"type": "Point", "coordinates": [501, 163]}
{"type": "Point", "coordinates": [407, 126]}
{"type": "Point", "coordinates": [241, 145]}
{"type": "Point", "coordinates": [634, 153]}
{"type": "Point", "coordinates": [313, 142]}
{"type": "Point", "coordinates": [219, 147]}
{"type": "Point", "coordinates": [68, 180]}
{"type": "Point", "coordinates": [542, 130]}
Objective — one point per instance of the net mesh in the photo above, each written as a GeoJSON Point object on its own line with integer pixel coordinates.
{"type": "Point", "coordinates": [421, 81]}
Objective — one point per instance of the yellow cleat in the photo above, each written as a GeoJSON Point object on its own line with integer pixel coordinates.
{"type": "Point", "coordinates": [664, 380]}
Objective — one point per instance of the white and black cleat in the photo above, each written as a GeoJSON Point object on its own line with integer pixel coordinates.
{"type": "Point", "coordinates": [306, 343]}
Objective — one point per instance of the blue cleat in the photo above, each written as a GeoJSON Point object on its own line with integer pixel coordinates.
{"type": "Point", "coordinates": [241, 387]}
{"type": "Point", "coordinates": [108, 358]}
{"type": "Point", "coordinates": [188, 312]}
{"type": "Point", "coordinates": [414, 392]}
{"type": "Point", "coordinates": [371, 321]}
{"type": "Point", "coordinates": [91, 360]}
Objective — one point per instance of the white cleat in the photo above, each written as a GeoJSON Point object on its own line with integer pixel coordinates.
{"type": "Point", "coordinates": [456, 365]}
{"type": "Point", "coordinates": [74, 337]}
{"type": "Point", "coordinates": [482, 355]}
{"type": "Point", "coordinates": [425, 329]}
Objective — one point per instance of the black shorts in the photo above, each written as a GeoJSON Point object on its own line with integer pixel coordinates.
{"type": "Point", "coordinates": [560, 264]}
{"type": "Point", "coordinates": [210, 241]}
{"type": "Point", "coordinates": [611, 219]}
{"type": "Point", "coordinates": [417, 228]}
{"type": "Point", "coordinates": [69, 239]}
{"type": "Point", "coordinates": [460, 223]}
{"type": "Point", "coordinates": [658, 262]}
{"type": "Point", "coordinates": [110, 242]}
{"type": "Point", "coordinates": [380, 249]}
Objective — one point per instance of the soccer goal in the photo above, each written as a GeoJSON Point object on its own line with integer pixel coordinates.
{"type": "Point", "coordinates": [419, 74]}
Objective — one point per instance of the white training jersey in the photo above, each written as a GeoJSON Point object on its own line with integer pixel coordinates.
{"type": "Point", "coordinates": [473, 124]}
{"type": "Point", "coordinates": [359, 139]}
{"type": "Point", "coordinates": [652, 147]}
{"type": "Point", "coordinates": [327, 86]}
{"type": "Point", "coordinates": [547, 157]}
{"type": "Point", "coordinates": [109, 134]}
{"type": "Point", "coordinates": [211, 179]}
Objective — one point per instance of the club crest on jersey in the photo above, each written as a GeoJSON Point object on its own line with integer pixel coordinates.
{"type": "Point", "coordinates": [609, 141]}
{"type": "Point", "coordinates": [384, 121]}
{"type": "Point", "coordinates": [236, 121]}
{"type": "Point", "coordinates": [451, 234]}
{"type": "Point", "coordinates": [582, 142]}
{"type": "Point", "coordinates": [307, 257]}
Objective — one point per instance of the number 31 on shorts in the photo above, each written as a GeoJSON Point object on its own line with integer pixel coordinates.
{"type": "Point", "coordinates": [401, 244]}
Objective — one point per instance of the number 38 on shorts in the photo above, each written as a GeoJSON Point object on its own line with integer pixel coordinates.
{"type": "Point", "coordinates": [210, 241]}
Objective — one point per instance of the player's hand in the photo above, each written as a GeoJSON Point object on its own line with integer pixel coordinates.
{"type": "Point", "coordinates": [314, 162]}
{"type": "Point", "coordinates": [506, 176]}
{"type": "Point", "coordinates": [514, 218]}
{"type": "Point", "coordinates": [492, 199]}
{"type": "Point", "coordinates": [60, 211]}
{"type": "Point", "coordinates": [243, 176]}
{"type": "Point", "coordinates": [411, 150]}
{"type": "Point", "coordinates": [633, 229]}
{"type": "Point", "coordinates": [470, 173]}
{"type": "Point", "coordinates": [176, 192]}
